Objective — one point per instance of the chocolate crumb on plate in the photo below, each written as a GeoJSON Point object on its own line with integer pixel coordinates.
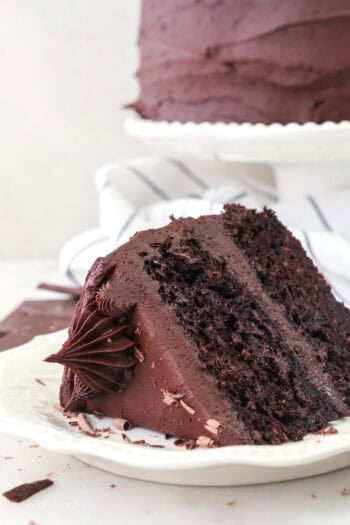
{"type": "Point", "coordinates": [85, 425]}
{"type": "Point", "coordinates": [327, 431]}
{"type": "Point", "coordinates": [112, 486]}
{"type": "Point", "coordinates": [345, 492]}
{"type": "Point", "coordinates": [232, 503]}
{"type": "Point", "coordinates": [40, 381]}
{"type": "Point", "coordinates": [204, 442]}
{"type": "Point", "coordinates": [313, 496]}
{"type": "Point", "coordinates": [26, 490]}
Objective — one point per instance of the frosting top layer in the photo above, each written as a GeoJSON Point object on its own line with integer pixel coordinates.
{"type": "Point", "coordinates": [258, 61]}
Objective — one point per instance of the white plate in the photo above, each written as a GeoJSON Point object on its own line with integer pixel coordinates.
{"type": "Point", "coordinates": [274, 143]}
{"type": "Point", "coordinates": [27, 410]}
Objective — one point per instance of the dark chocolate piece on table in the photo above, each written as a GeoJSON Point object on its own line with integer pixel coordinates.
{"type": "Point", "coordinates": [33, 318]}
{"type": "Point", "coordinates": [26, 490]}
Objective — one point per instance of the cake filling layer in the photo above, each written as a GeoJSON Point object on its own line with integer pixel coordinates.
{"type": "Point", "coordinates": [238, 343]}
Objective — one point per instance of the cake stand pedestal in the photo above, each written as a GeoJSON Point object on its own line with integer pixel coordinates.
{"type": "Point", "coordinates": [302, 156]}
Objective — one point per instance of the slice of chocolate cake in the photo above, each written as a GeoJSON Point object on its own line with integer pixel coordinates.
{"type": "Point", "coordinates": [218, 327]}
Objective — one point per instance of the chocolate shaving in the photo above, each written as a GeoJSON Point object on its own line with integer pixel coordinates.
{"type": "Point", "coordinates": [66, 413]}
{"type": "Point", "coordinates": [189, 444]}
{"type": "Point", "coordinates": [188, 409]}
{"type": "Point", "coordinates": [69, 290]}
{"type": "Point", "coordinates": [140, 442]}
{"type": "Point", "coordinates": [212, 426]}
{"type": "Point", "coordinates": [327, 431]}
{"type": "Point", "coordinates": [40, 381]}
{"type": "Point", "coordinates": [26, 490]}
{"type": "Point", "coordinates": [121, 424]}
{"type": "Point", "coordinates": [139, 355]}
{"type": "Point", "coordinates": [171, 399]}
{"type": "Point", "coordinates": [204, 442]}
{"type": "Point", "coordinates": [73, 423]}
{"type": "Point", "coordinates": [85, 426]}
{"type": "Point", "coordinates": [98, 414]}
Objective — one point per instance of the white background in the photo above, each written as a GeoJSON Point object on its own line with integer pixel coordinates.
{"type": "Point", "coordinates": [66, 70]}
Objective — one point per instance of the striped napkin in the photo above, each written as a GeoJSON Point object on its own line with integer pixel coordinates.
{"type": "Point", "coordinates": [140, 194]}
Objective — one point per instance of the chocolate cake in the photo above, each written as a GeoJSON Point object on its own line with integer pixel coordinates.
{"type": "Point", "coordinates": [245, 61]}
{"type": "Point", "coordinates": [218, 327]}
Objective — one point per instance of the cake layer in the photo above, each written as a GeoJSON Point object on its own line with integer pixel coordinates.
{"type": "Point", "coordinates": [177, 328]}
{"type": "Point", "coordinates": [292, 281]}
{"type": "Point", "coordinates": [258, 61]}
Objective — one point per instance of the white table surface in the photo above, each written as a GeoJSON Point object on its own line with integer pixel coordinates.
{"type": "Point", "coordinates": [83, 495]}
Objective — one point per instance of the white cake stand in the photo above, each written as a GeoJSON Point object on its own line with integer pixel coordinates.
{"type": "Point", "coordinates": [302, 156]}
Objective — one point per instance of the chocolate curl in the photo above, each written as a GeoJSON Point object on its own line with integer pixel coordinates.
{"type": "Point", "coordinates": [121, 424]}
{"type": "Point", "coordinates": [85, 425]}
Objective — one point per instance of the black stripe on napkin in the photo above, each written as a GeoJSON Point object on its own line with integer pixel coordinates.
{"type": "Point", "coordinates": [319, 213]}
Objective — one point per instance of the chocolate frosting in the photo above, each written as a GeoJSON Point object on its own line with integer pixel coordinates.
{"type": "Point", "coordinates": [99, 352]}
{"type": "Point", "coordinates": [127, 353]}
{"type": "Point", "coordinates": [257, 61]}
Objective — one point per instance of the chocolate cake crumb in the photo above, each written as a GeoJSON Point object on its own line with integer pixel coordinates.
{"type": "Point", "coordinates": [232, 503]}
{"type": "Point", "coordinates": [112, 486]}
{"type": "Point", "coordinates": [66, 413]}
{"type": "Point", "coordinates": [125, 438]}
{"type": "Point", "coordinates": [121, 424]}
{"type": "Point", "coordinates": [189, 444]}
{"type": "Point", "coordinates": [26, 490]}
{"type": "Point", "coordinates": [85, 425]}
{"type": "Point", "coordinates": [40, 381]}
{"type": "Point", "coordinates": [313, 496]}
{"type": "Point", "coordinates": [103, 429]}
{"type": "Point", "coordinates": [345, 492]}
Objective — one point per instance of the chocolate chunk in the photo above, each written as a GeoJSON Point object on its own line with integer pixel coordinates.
{"type": "Point", "coordinates": [26, 490]}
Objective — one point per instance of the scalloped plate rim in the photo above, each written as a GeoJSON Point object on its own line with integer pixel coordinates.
{"type": "Point", "coordinates": [145, 458]}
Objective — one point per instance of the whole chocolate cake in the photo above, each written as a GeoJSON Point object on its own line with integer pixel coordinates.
{"type": "Point", "coordinates": [245, 61]}
{"type": "Point", "coordinates": [218, 327]}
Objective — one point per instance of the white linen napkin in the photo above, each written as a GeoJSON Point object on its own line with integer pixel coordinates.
{"type": "Point", "coordinates": [140, 194]}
